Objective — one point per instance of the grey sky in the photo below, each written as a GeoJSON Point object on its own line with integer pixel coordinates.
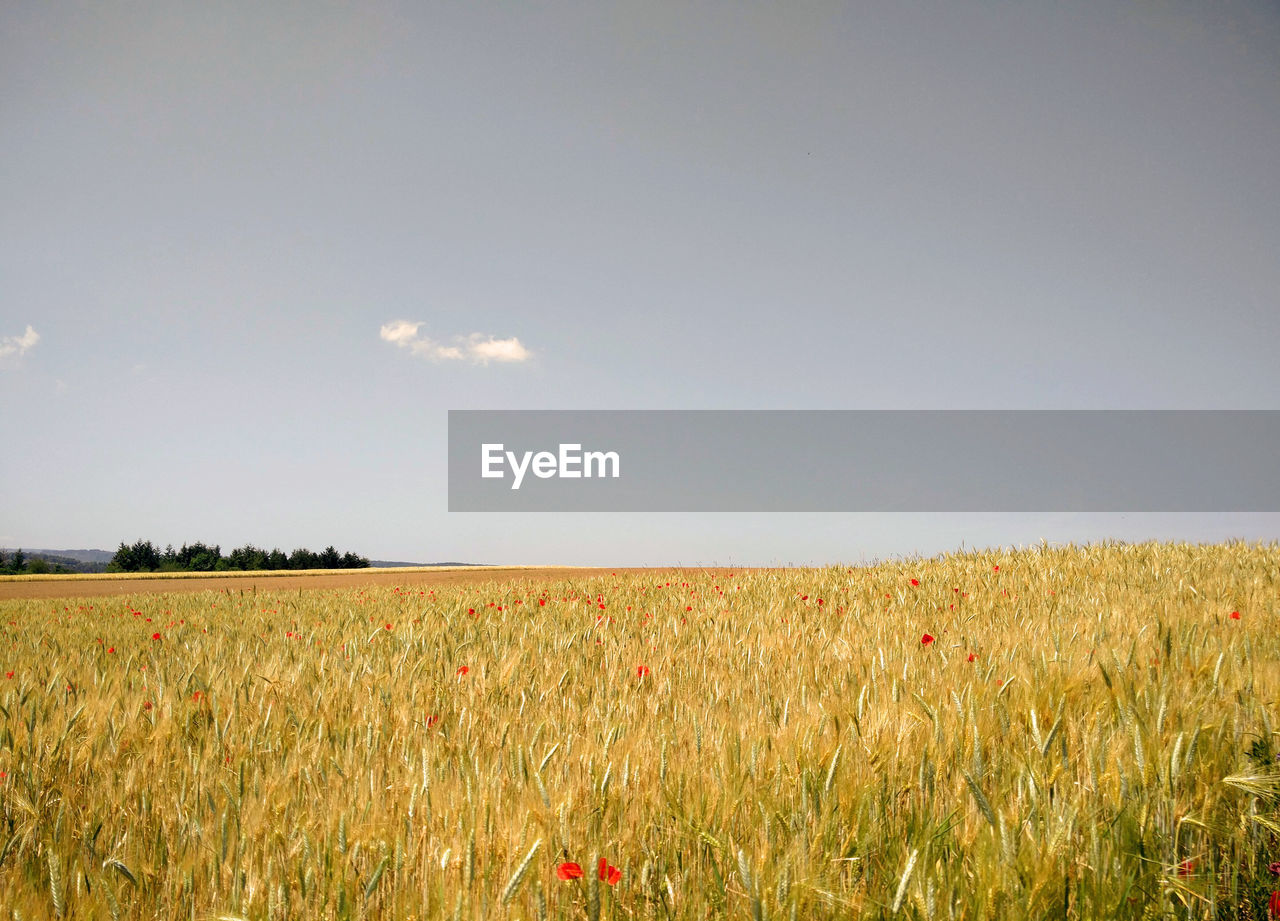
{"type": "Point", "coordinates": [210, 212]}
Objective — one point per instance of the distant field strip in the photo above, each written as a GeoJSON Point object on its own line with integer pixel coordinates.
{"type": "Point", "coordinates": [240, 573]}
{"type": "Point", "coordinates": [88, 585]}
{"type": "Point", "coordinates": [1056, 733]}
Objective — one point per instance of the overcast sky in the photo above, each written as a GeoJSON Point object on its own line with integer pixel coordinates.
{"type": "Point", "coordinates": [251, 254]}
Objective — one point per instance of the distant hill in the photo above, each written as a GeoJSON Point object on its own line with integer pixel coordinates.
{"type": "Point", "coordinates": [392, 563]}
{"type": "Point", "coordinates": [83, 556]}
{"type": "Point", "coordinates": [57, 561]}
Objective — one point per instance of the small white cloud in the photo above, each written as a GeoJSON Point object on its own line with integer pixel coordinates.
{"type": "Point", "coordinates": [401, 332]}
{"type": "Point", "coordinates": [405, 335]}
{"type": "Point", "coordinates": [17, 346]}
{"type": "Point", "coordinates": [477, 347]}
{"type": "Point", "coordinates": [486, 349]}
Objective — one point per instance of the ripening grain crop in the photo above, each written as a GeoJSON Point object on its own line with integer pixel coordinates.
{"type": "Point", "coordinates": [1055, 733]}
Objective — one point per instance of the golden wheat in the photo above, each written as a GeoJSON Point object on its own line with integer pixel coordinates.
{"type": "Point", "coordinates": [1088, 733]}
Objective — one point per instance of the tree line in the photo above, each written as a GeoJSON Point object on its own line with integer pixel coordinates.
{"type": "Point", "coordinates": [143, 556]}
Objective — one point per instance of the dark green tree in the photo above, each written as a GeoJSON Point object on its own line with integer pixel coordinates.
{"type": "Point", "coordinates": [140, 557]}
{"type": "Point", "coordinates": [199, 557]}
{"type": "Point", "coordinates": [247, 557]}
{"type": "Point", "coordinates": [302, 558]}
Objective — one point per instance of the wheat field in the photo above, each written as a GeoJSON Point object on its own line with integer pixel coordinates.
{"type": "Point", "coordinates": [1079, 732]}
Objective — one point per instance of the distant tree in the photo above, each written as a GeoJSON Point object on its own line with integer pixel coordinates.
{"type": "Point", "coordinates": [303, 558]}
{"type": "Point", "coordinates": [122, 561]}
{"type": "Point", "coordinates": [351, 561]}
{"type": "Point", "coordinates": [277, 560]}
{"type": "Point", "coordinates": [205, 558]}
{"type": "Point", "coordinates": [247, 557]}
{"type": "Point", "coordinates": [38, 566]}
{"type": "Point", "coordinates": [329, 558]}
{"type": "Point", "coordinates": [19, 560]}
{"type": "Point", "coordinates": [140, 557]}
{"type": "Point", "coordinates": [199, 557]}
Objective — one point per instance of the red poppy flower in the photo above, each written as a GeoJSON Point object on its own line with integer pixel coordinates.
{"type": "Point", "coordinates": [388, 626]}
{"type": "Point", "coordinates": [973, 656]}
{"type": "Point", "coordinates": [569, 871]}
{"type": "Point", "coordinates": [915, 582]}
{"type": "Point", "coordinates": [609, 874]}
{"type": "Point", "coordinates": [432, 720]}
{"type": "Point", "coordinates": [111, 649]}
{"type": "Point", "coordinates": [155, 636]}
{"type": "Point", "coordinates": [1273, 905]}
{"type": "Point", "coordinates": [642, 671]}
{"type": "Point", "coordinates": [926, 639]}
{"type": "Point", "coordinates": [462, 669]}
{"type": "Point", "coordinates": [146, 705]}
{"type": "Point", "coordinates": [1235, 615]}
{"type": "Point", "coordinates": [995, 568]}
{"type": "Point", "coordinates": [8, 674]}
